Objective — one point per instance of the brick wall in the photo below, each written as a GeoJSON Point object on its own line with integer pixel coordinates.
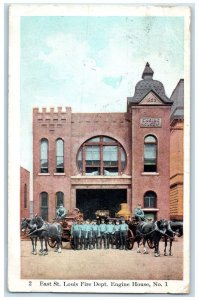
{"type": "Point", "coordinates": [176, 169]}
{"type": "Point", "coordinates": [74, 129]}
{"type": "Point", "coordinates": [159, 181]}
{"type": "Point", "coordinates": [24, 180]}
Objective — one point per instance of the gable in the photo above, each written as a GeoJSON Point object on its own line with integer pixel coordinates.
{"type": "Point", "coordinates": [151, 99]}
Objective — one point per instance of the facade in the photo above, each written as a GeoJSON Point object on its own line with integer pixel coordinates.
{"type": "Point", "coordinates": [177, 153]}
{"type": "Point", "coordinates": [24, 193]}
{"type": "Point", "coordinates": [96, 161]}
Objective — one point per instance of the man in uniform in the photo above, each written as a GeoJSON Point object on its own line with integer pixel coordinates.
{"type": "Point", "coordinates": [123, 235]}
{"type": "Point", "coordinates": [117, 234]}
{"type": "Point", "coordinates": [61, 212]}
{"type": "Point", "coordinates": [110, 233]}
{"type": "Point", "coordinates": [76, 234]}
{"type": "Point", "coordinates": [84, 235]}
{"type": "Point", "coordinates": [89, 234]}
{"type": "Point", "coordinates": [95, 234]}
{"type": "Point", "coordinates": [102, 228]}
{"type": "Point", "coordinates": [139, 214]}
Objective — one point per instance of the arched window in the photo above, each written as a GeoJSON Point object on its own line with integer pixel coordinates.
{"type": "Point", "coordinates": [101, 155]}
{"type": "Point", "coordinates": [25, 195]}
{"type": "Point", "coordinates": [59, 199]}
{"type": "Point", "coordinates": [150, 154]}
{"type": "Point", "coordinates": [60, 156]}
{"type": "Point", "coordinates": [150, 200]}
{"type": "Point", "coordinates": [44, 206]}
{"type": "Point", "coordinates": [44, 156]}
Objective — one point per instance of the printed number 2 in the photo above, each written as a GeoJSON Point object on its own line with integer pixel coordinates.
{"type": "Point", "coordinates": [30, 283]}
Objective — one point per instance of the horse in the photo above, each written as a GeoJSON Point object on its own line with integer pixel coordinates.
{"type": "Point", "coordinates": [38, 229]}
{"type": "Point", "coordinates": [27, 224]}
{"type": "Point", "coordinates": [152, 231]}
{"type": "Point", "coordinates": [177, 226]}
{"type": "Point", "coordinates": [46, 231]}
{"type": "Point", "coordinates": [168, 235]}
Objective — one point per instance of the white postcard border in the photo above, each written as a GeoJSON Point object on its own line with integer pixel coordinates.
{"type": "Point", "coordinates": [16, 11]}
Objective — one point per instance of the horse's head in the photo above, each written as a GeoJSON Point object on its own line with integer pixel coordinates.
{"type": "Point", "coordinates": [25, 224]}
{"type": "Point", "coordinates": [162, 225]}
{"type": "Point", "coordinates": [37, 221]}
{"type": "Point", "coordinates": [169, 229]}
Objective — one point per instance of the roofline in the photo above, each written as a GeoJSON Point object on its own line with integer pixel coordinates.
{"type": "Point", "coordinates": [181, 80]}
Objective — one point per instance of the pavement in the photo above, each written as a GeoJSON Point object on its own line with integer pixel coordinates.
{"type": "Point", "coordinates": [102, 264]}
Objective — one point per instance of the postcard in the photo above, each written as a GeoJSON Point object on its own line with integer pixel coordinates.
{"type": "Point", "coordinates": [99, 141]}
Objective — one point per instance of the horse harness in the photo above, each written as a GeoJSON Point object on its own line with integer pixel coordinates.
{"type": "Point", "coordinates": [149, 233]}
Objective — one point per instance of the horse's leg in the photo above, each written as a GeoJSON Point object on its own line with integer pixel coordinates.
{"type": "Point", "coordinates": [59, 244]}
{"type": "Point", "coordinates": [33, 246]}
{"type": "Point", "coordinates": [165, 246]}
{"type": "Point", "coordinates": [144, 243]}
{"type": "Point", "coordinates": [138, 242]}
{"type": "Point", "coordinates": [36, 244]}
{"type": "Point", "coordinates": [170, 254]}
{"type": "Point", "coordinates": [41, 243]}
{"type": "Point", "coordinates": [46, 246]}
{"type": "Point", "coordinates": [156, 248]}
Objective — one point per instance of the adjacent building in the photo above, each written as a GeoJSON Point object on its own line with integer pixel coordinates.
{"type": "Point", "coordinates": [96, 161]}
{"type": "Point", "coordinates": [176, 152]}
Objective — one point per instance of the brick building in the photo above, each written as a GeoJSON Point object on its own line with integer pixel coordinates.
{"type": "Point", "coordinates": [177, 153]}
{"type": "Point", "coordinates": [99, 160]}
{"type": "Point", "coordinates": [24, 193]}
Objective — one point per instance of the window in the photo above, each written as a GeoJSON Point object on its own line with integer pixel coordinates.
{"type": "Point", "coordinates": [25, 195]}
{"type": "Point", "coordinates": [150, 200]}
{"type": "Point", "coordinates": [44, 206]}
{"type": "Point", "coordinates": [101, 156]}
{"type": "Point", "coordinates": [150, 154]}
{"type": "Point", "coordinates": [60, 156]}
{"type": "Point", "coordinates": [44, 156]}
{"type": "Point", "coordinates": [59, 199]}
{"type": "Point", "coordinates": [92, 160]}
{"type": "Point", "coordinates": [110, 160]}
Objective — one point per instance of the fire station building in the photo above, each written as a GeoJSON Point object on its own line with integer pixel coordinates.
{"type": "Point", "coordinates": [96, 161]}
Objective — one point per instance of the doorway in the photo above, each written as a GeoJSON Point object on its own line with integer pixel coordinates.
{"type": "Point", "coordinates": [90, 200]}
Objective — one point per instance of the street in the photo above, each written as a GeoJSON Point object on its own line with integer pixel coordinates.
{"type": "Point", "coordinates": [102, 264]}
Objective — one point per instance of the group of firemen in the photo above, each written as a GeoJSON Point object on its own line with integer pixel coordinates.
{"type": "Point", "coordinates": [91, 235]}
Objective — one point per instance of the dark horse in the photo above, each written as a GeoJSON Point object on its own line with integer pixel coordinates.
{"type": "Point", "coordinates": [152, 231]}
{"type": "Point", "coordinates": [44, 231]}
{"type": "Point", "coordinates": [168, 235]}
{"type": "Point", "coordinates": [177, 226]}
{"type": "Point", "coordinates": [26, 224]}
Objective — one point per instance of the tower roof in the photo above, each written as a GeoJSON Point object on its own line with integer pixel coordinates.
{"type": "Point", "coordinates": [148, 72]}
{"type": "Point", "coordinates": [143, 87]}
{"type": "Point", "coordinates": [177, 96]}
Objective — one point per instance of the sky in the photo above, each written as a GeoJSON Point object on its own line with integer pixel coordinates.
{"type": "Point", "coordinates": [92, 64]}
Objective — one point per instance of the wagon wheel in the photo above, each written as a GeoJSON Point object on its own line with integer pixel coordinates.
{"type": "Point", "coordinates": [150, 243]}
{"type": "Point", "coordinates": [130, 239]}
{"type": "Point", "coordinates": [52, 242]}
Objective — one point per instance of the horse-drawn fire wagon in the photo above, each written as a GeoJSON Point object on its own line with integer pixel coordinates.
{"type": "Point", "coordinates": [66, 224]}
